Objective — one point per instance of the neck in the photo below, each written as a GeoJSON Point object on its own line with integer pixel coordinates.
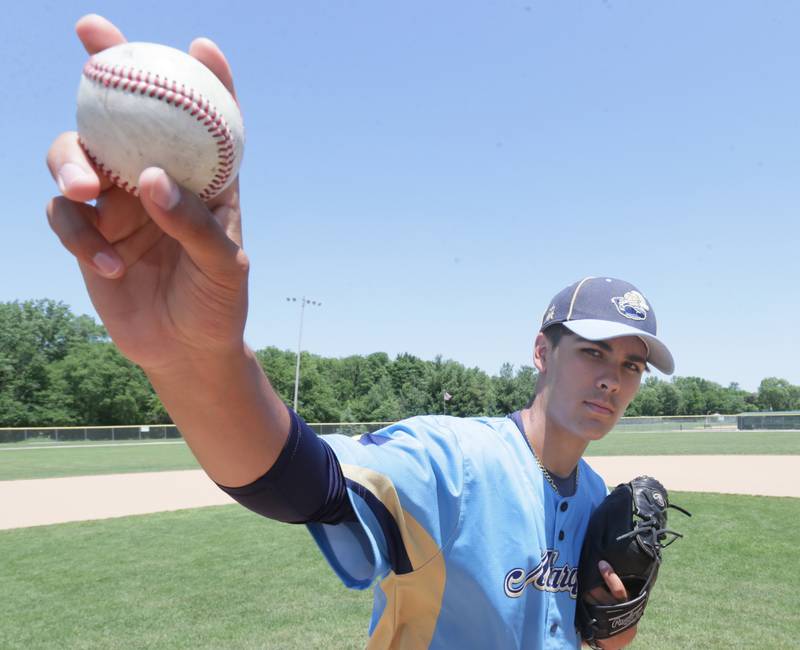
{"type": "Point", "coordinates": [558, 450]}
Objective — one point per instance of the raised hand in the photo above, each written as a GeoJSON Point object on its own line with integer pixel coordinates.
{"type": "Point", "coordinates": [165, 272]}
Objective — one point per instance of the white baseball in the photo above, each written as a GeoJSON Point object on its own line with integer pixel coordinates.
{"type": "Point", "coordinates": [147, 105]}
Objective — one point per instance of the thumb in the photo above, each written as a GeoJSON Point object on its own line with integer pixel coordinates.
{"type": "Point", "coordinates": [184, 217]}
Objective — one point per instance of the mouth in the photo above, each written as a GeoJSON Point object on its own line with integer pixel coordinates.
{"type": "Point", "coordinates": [599, 407]}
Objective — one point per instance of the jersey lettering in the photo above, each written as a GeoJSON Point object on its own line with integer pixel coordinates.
{"type": "Point", "coordinates": [545, 576]}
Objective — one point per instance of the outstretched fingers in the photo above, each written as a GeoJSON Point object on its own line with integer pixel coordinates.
{"type": "Point", "coordinates": [71, 168]}
{"type": "Point", "coordinates": [208, 53]}
{"type": "Point", "coordinates": [74, 224]}
{"type": "Point", "coordinates": [98, 33]}
{"type": "Point", "coordinates": [74, 173]}
{"type": "Point", "coordinates": [115, 234]}
{"type": "Point", "coordinates": [185, 218]}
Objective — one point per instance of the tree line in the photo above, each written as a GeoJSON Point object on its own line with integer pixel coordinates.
{"type": "Point", "coordinates": [61, 369]}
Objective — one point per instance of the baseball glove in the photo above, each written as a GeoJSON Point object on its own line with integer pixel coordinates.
{"type": "Point", "coordinates": [627, 530]}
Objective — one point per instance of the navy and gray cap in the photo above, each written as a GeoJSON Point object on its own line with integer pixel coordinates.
{"type": "Point", "coordinates": [605, 308]}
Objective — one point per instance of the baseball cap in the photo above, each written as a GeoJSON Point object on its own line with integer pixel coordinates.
{"type": "Point", "coordinates": [604, 308]}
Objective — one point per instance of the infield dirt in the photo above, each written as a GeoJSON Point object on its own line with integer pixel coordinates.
{"type": "Point", "coordinates": [39, 502]}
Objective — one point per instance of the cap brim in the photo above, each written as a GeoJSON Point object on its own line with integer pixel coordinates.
{"type": "Point", "coordinates": [599, 330]}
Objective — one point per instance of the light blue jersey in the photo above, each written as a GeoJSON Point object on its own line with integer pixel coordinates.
{"type": "Point", "coordinates": [469, 543]}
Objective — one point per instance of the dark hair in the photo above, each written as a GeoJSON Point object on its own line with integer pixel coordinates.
{"type": "Point", "coordinates": [553, 334]}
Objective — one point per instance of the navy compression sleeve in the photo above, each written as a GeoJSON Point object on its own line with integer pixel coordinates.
{"type": "Point", "coordinates": [304, 485]}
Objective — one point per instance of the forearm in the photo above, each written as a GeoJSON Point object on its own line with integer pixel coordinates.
{"type": "Point", "coordinates": [226, 410]}
{"type": "Point", "coordinates": [306, 483]}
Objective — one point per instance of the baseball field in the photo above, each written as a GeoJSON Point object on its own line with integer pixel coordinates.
{"type": "Point", "coordinates": [221, 577]}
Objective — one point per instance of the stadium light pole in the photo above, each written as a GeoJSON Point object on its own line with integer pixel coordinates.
{"type": "Point", "coordinates": [303, 302]}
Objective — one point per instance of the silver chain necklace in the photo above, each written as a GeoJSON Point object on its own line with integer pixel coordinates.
{"type": "Point", "coordinates": [547, 474]}
{"type": "Point", "coordinates": [544, 470]}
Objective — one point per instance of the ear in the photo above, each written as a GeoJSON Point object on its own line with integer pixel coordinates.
{"type": "Point", "coordinates": [541, 353]}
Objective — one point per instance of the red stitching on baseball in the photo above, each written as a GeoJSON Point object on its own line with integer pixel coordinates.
{"type": "Point", "coordinates": [114, 178]}
{"type": "Point", "coordinates": [198, 106]}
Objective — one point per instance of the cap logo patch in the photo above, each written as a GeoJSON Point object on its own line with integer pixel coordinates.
{"type": "Point", "coordinates": [632, 305]}
{"type": "Point", "coordinates": [551, 313]}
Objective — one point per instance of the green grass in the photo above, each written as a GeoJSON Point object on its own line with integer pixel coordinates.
{"type": "Point", "coordinates": [19, 461]}
{"type": "Point", "coordinates": [91, 458]}
{"type": "Point", "coordinates": [658, 443]}
{"type": "Point", "coordinates": [732, 581]}
{"type": "Point", "coordinates": [218, 577]}
{"type": "Point", "coordinates": [221, 577]}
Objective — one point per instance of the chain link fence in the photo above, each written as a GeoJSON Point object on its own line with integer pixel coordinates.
{"type": "Point", "coordinates": [60, 435]}
{"type": "Point", "coordinates": [678, 423]}
{"type": "Point", "coordinates": [90, 434]}
{"type": "Point", "coordinates": [131, 433]}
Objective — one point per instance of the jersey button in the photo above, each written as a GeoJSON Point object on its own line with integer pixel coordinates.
{"type": "Point", "coordinates": [561, 535]}
{"type": "Point", "coordinates": [553, 628]}
{"type": "Point", "coordinates": [564, 506]}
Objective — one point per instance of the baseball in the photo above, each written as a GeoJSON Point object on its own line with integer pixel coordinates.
{"type": "Point", "coordinates": [147, 105]}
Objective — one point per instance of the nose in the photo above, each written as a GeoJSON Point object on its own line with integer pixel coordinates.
{"type": "Point", "coordinates": [609, 382]}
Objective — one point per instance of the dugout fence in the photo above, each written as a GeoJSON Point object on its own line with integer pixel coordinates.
{"type": "Point", "coordinates": [750, 421]}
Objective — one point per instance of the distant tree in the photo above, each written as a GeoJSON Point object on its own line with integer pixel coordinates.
{"type": "Point", "coordinates": [737, 400]}
{"type": "Point", "coordinates": [670, 399]}
{"type": "Point", "coordinates": [693, 397]}
{"type": "Point", "coordinates": [95, 385]}
{"type": "Point", "coordinates": [525, 386]}
{"type": "Point", "coordinates": [475, 394]}
{"type": "Point", "coordinates": [408, 377]}
{"type": "Point", "coordinates": [380, 403]}
{"type": "Point", "coordinates": [646, 401]}
{"type": "Point", "coordinates": [154, 410]}
{"type": "Point", "coordinates": [355, 375]}
{"type": "Point", "coordinates": [58, 368]}
{"type": "Point", "coordinates": [279, 365]}
{"type": "Point", "coordinates": [513, 390]}
{"type": "Point", "coordinates": [776, 394]}
{"type": "Point", "coordinates": [440, 379]}
{"type": "Point", "coordinates": [470, 389]}
{"type": "Point", "coordinates": [317, 401]}
{"type": "Point", "coordinates": [33, 335]}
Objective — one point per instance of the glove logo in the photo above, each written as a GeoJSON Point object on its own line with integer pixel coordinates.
{"type": "Point", "coordinates": [628, 619]}
{"type": "Point", "coordinates": [545, 576]}
{"type": "Point", "coordinates": [632, 305]}
{"type": "Point", "coordinates": [659, 499]}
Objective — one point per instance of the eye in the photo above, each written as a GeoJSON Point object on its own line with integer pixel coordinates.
{"type": "Point", "coordinates": [593, 352]}
{"type": "Point", "coordinates": [634, 367]}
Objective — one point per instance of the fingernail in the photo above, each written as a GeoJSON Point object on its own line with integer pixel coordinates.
{"type": "Point", "coordinates": [107, 265]}
{"type": "Point", "coordinates": [68, 174]}
{"type": "Point", "coordinates": [603, 565]}
{"type": "Point", "coordinates": [164, 192]}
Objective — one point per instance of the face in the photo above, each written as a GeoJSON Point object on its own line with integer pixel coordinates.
{"type": "Point", "coordinates": [588, 384]}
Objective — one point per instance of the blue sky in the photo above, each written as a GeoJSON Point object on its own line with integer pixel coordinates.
{"type": "Point", "coordinates": [435, 172]}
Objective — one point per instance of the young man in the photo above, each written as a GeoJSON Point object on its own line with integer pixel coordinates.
{"type": "Point", "coordinates": [472, 527]}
